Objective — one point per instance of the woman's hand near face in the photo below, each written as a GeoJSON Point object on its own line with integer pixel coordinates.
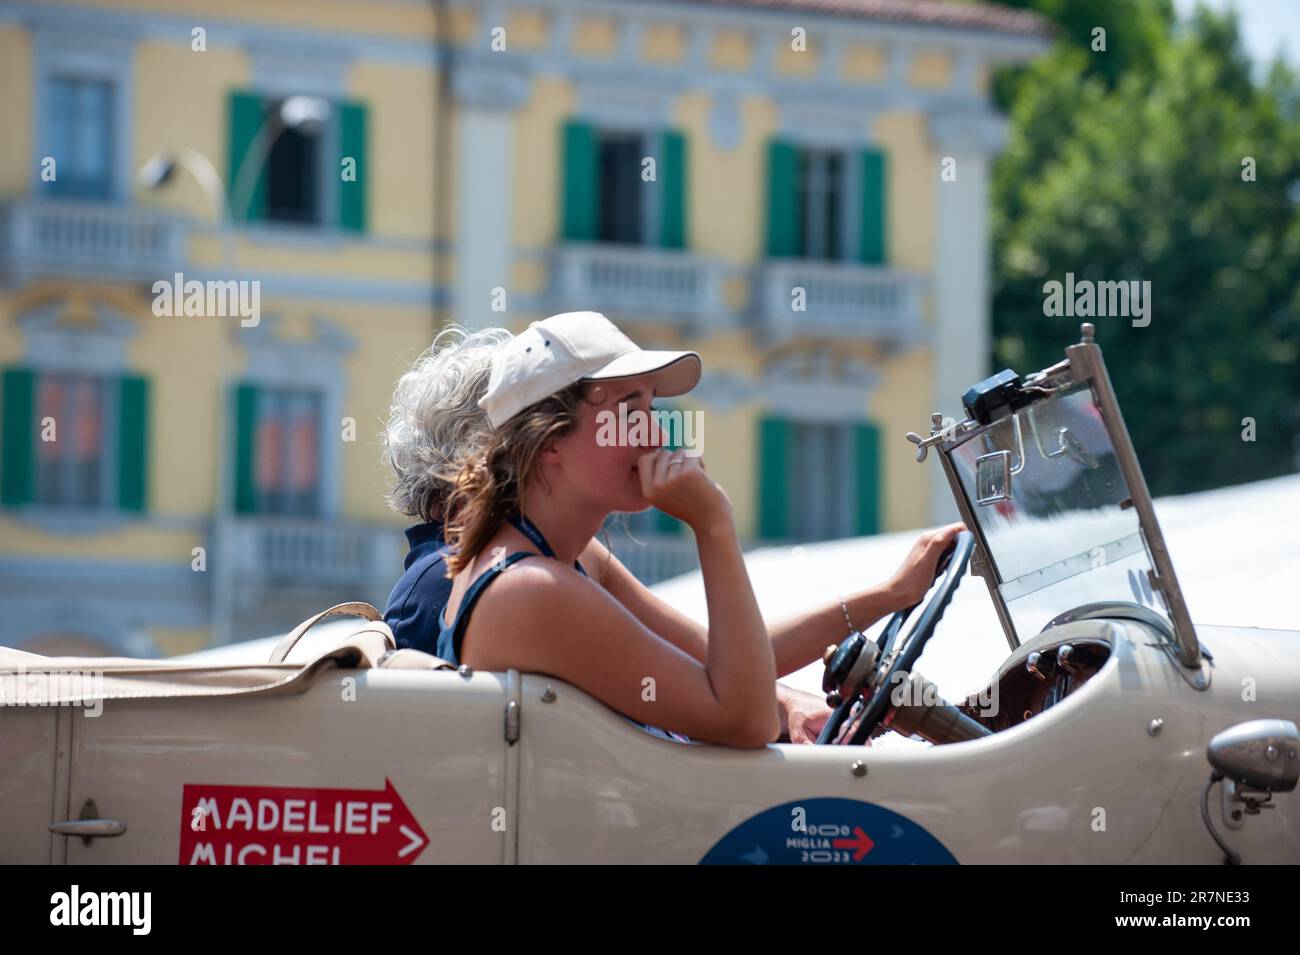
{"type": "Point", "coordinates": [916, 574]}
{"type": "Point", "coordinates": [678, 485]}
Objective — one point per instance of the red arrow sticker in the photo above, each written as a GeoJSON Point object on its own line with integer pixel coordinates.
{"type": "Point", "coordinates": [274, 825]}
{"type": "Point", "coordinates": [861, 843]}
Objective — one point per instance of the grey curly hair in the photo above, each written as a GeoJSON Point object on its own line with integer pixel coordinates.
{"type": "Point", "coordinates": [434, 418]}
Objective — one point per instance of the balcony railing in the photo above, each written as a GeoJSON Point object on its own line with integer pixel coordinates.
{"type": "Point", "coordinates": [314, 552]}
{"type": "Point", "coordinates": [655, 557]}
{"type": "Point", "coordinates": [632, 281]}
{"type": "Point", "coordinates": [56, 237]}
{"type": "Point", "coordinates": [864, 302]}
{"type": "Point", "coordinates": [274, 572]}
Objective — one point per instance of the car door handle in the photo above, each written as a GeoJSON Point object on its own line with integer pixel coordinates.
{"type": "Point", "coordinates": [88, 828]}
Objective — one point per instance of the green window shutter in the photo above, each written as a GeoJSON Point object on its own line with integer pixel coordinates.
{"type": "Point", "coordinates": [866, 457]}
{"type": "Point", "coordinates": [352, 140]}
{"type": "Point", "coordinates": [773, 478]}
{"type": "Point", "coordinates": [871, 248]}
{"type": "Point", "coordinates": [17, 463]}
{"type": "Point", "coordinates": [245, 114]}
{"type": "Point", "coordinates": [578, 167]}
{"type": "Point", "coordinates": [245, 448]}
{"type": "Point", "coordinates": [673, 172]}
{"type": "Point", "coordinates": [133, 443]}
{"type": "Point", "coordinates": [782, 199]}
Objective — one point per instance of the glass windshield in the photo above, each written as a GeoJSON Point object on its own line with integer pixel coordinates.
{"type": "Point", "coordinates": [1063, 531]}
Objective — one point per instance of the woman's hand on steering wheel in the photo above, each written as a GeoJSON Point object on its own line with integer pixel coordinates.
{"type": "Point", "coordinates": [861, 673]}
{"type": "Point", "coordinates": [916, 574]}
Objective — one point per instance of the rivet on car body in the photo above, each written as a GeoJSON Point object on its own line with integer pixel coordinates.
{"type": "Point", "coordinates": [548, 694]}
{"type": "Point", "coordinates": [859, 768]}
{"type": "Point", "coordinates": [1155, 726]}
{"type": "Point", "coordinates": [465, 670]}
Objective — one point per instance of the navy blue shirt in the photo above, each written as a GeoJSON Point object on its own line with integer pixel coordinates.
{"type": "Point", "coordinates": [415, 606]}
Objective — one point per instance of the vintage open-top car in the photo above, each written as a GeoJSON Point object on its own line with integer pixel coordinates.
{"type": "Point", "coordinates": [1114, 731]}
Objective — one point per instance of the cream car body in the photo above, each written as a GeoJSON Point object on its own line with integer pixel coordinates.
{"type": "Point", "coordinates": [345, 751]}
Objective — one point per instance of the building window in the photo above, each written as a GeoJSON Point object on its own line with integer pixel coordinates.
{"type": "Point", "coordinates": [826, 203]}
{"type": "Point", "coordinates": [71, 470]}
{"type": "Point", "coordinates": [79, 134]}
{"type": "Point", "coordinates": [822, 479]}
{"type": "Point", "coordinates": [622, 193]}
{"type": "Point", "coordinates": [314, 173]}
{"type": "Point", "coordinates": [74, 440]}
{"type": "Point", "coordinates": [277, 460]}
{"type": "Point", "coordinates": [821, 196]}
{"type": "Point", "coordinates": [606, 198]}
{"type": "Point", "coordinates": [293, 180]}
{"type": "Point", "coordinates": [818, 480]}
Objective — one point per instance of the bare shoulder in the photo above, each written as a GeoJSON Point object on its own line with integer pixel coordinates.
{"type": "Point", "coordinates": [529, 618]}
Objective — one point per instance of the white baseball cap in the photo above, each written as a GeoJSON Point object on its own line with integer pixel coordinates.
{"type": "Point", "coordinates": [556, 352]}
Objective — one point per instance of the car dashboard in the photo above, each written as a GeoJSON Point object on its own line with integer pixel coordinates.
{"type": "Point", "coordinates": [1034, 684]}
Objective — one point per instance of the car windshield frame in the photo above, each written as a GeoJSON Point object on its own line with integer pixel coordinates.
{"type": "Point", "coordinates": [1057, 450]}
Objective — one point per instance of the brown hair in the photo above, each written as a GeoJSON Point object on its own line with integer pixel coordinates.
{"type": "Point", "coordinates": [486, 489]}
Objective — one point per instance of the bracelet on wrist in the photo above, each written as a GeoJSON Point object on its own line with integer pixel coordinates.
{"type": "Point", "coordinates": [847, 619]}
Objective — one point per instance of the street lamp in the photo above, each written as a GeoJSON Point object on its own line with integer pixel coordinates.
{"type": "Point", "coordinates": [161, 170]}
{"type": "Point", "coordinates": [307, 114]}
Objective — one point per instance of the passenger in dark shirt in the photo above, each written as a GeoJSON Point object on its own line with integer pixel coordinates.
{"type": "Point", "coordinates": [422, 590]}
{"type": "Point", "coordinates": [434, 416]}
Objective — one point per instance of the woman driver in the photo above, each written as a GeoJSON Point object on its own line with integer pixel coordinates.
{"type": "Point", "coordinates": [540, 485]}
{"type": "Point", "coordinates": [434, 419]}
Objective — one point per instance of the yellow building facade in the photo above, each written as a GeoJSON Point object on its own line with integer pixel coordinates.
{"type": "Point", "coordinates": [226, 227]}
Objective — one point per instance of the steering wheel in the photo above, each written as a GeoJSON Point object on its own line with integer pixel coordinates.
{"type": "Point", "coordinates": [859, 669]}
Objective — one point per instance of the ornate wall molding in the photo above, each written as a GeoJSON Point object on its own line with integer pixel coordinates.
{"type": "Point", "coordinates": [57, 339]}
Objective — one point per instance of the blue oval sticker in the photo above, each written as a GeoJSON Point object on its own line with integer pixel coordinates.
{"type": "Point", "coordinates": [827, 831]}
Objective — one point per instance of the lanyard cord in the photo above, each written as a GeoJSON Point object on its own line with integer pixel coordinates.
{"type": "Point", "coordinates": [529, 530]}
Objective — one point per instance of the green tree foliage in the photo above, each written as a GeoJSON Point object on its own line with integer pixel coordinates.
{"type": "Point", "coordinates": [1128, 165]}
{"type": "Point", "coordinates": [1135, 30]}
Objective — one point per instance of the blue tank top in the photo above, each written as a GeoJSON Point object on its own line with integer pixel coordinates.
{"type": "Point", "coordinates": [451, 635]}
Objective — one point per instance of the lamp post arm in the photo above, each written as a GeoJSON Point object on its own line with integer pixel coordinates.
{"type": "Point", "coordinates": [259, 151]}
{"type": "Point", "coordinates": [201, 168]}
